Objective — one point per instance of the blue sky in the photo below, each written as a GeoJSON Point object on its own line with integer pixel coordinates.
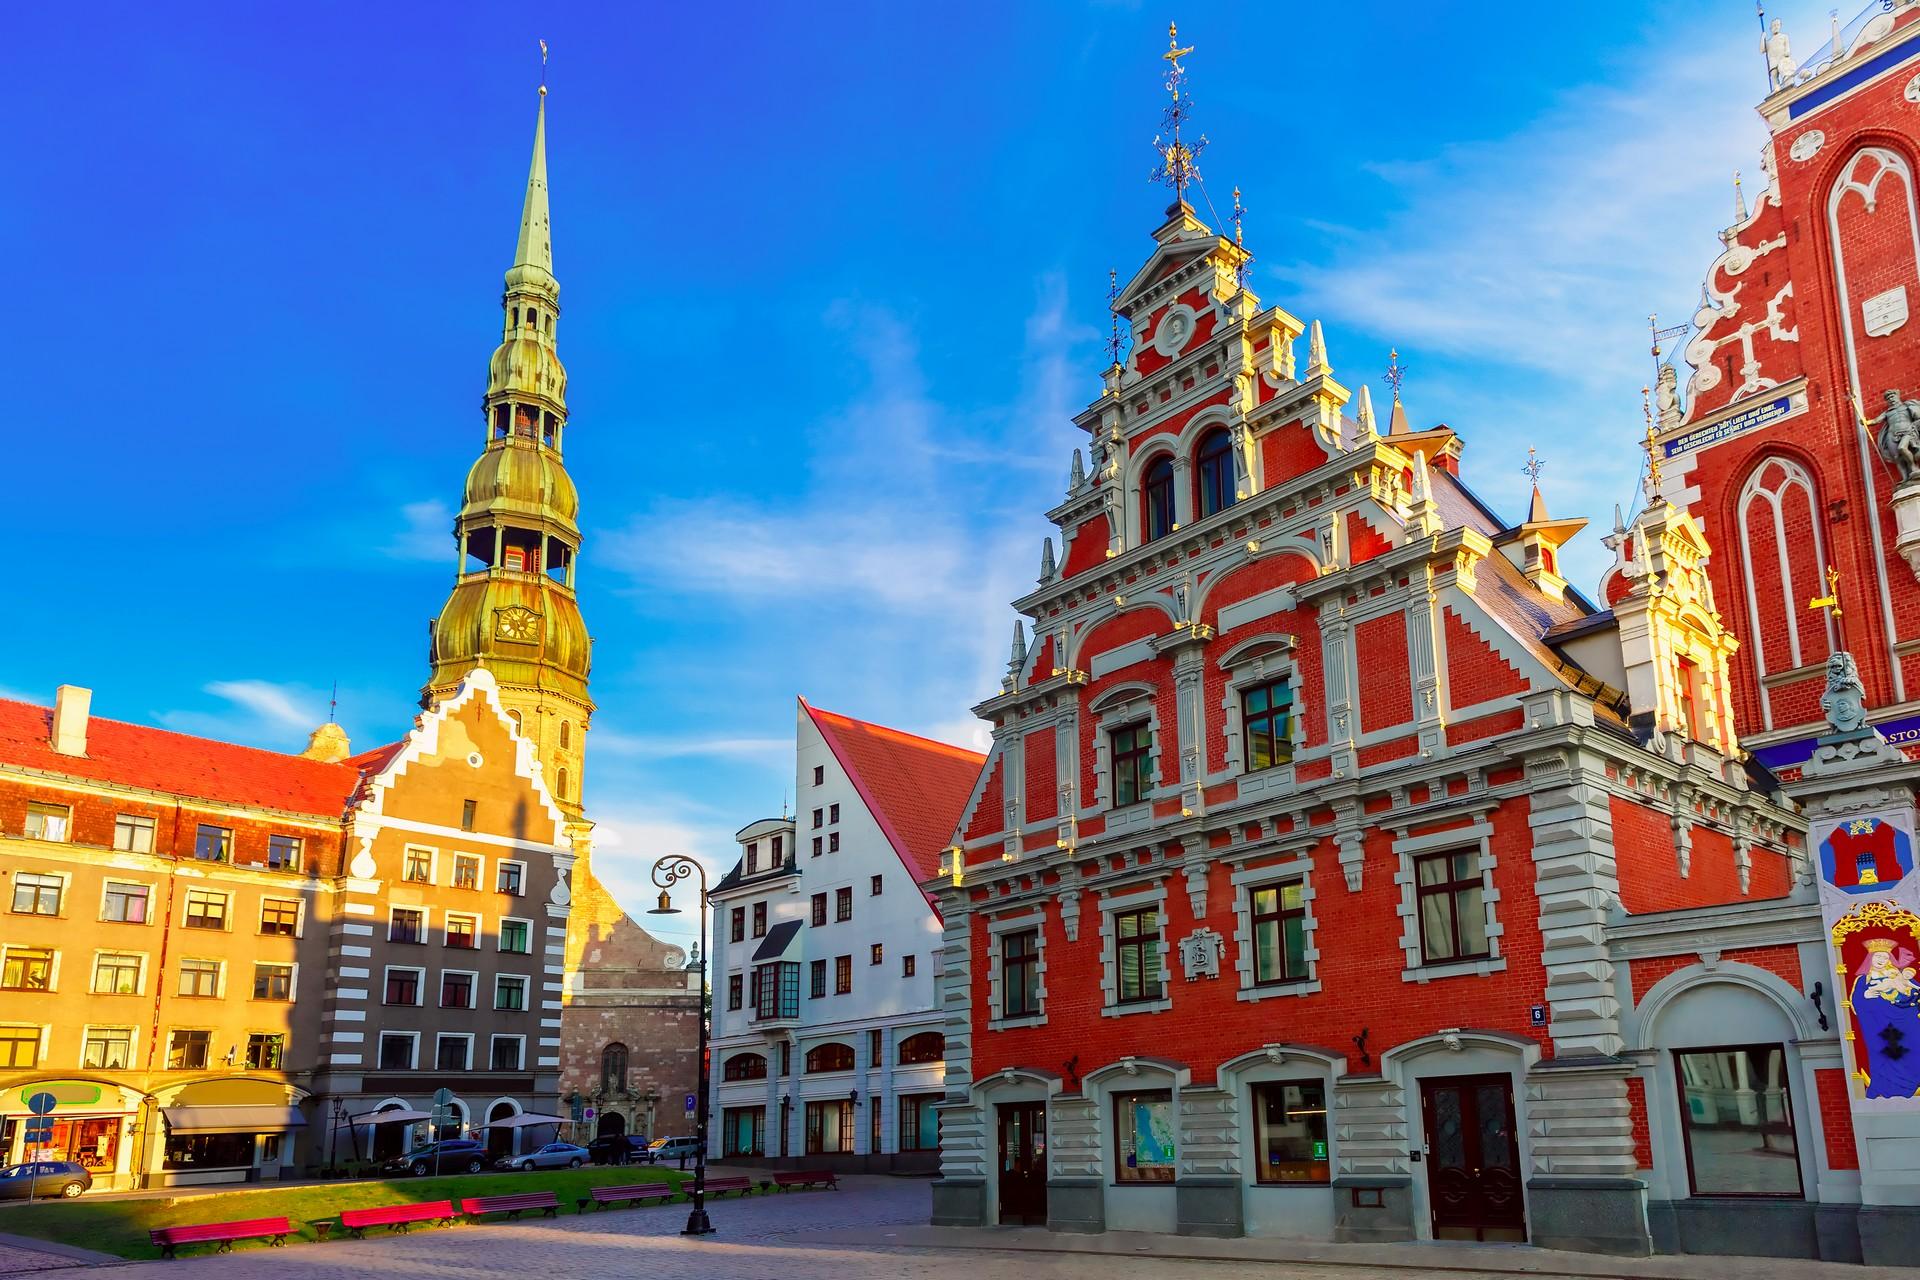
{"type": "Point", "coordinates": [833, 283]}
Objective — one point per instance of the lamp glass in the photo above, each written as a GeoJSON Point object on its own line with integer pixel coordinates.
{"type": "Point", "coordinates": [666, 907]}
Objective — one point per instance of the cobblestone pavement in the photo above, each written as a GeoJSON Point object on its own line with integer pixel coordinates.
{"type": "Point", "coordinates": [16, 1262]}
{"type": "Point", "coordinates": [820, 1235]}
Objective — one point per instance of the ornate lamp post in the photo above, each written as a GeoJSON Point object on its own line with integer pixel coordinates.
{"type": "Point", "coordinates": [667, 872]}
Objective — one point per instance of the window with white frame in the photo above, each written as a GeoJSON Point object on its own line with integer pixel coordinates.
{"type": "Point", "coordinates": [48, 821]}
{"type": "Point", "coordinates": [279, 917]}
{"type": "Point", "coordinates": [516, 936]}
{"type": "Point", "coordinates": [453, 1051]}
{"type": "Point", "coordinates": [118, 973]}
{"type": "Point", "coordinates": [406, 924]}
{"type": "Point", "coordinates": [125, 903]}
{"type": "Point", "coordinates": [507, 1053]}
{"type": "Point", "coordinates": [457, 988]}
{"type": "Point", "coordinates": [37, 894]}
{"type": "Point", "coordinates": [199, 977]}
{"type": "Point", "coordinates": [1448, 903]}
{"type": "Point", "coordinates": [416, 865]}
{"type": "Point", "coordinates": [19, 1045]}
{"type": "Point", "coordinates": [1130, 763]}
{"type": "Point", "coordinates": [284, 851]}
{"type": "Point", "coordinates": [462, 930]}
{"type": "Point", "coordinates": [403, 985]}
{"type": "Point", "coordinates": [466, 871]}
{"type": "Point", "coordinates": [272, 981]}
{"type": "Point", "coordinates": [511, 877]}
{"type": "Point", "coordinates": [1134, 951]}
{"type": "Point", "coordinates": [206, 909]}
{"type": "Point", "coordinates": [106, 1048]}
{"type": "Point", "coordinates": [26, 968]}
{"type": "Point", "coordinates": [133, 833]}
{"type": "Point", "coordinates": [1277, 916]}
{"type": "Point", "coordinates": [399, 1050]}
{"type": "Point", "coordinates": [510, 992]}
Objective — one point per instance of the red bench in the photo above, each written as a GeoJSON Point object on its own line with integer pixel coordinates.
{"type": "Point", "coordinates": [638, 1192]}
{"type": "Point", "coordinates": [395, 1217]}
{"type": "Point", "coordinates": [273, 1230]}
{"type": "Point", "coordinates": [788, 1178]}
{"type": "Point", "coordinates": [720, 1186]}
{"type": "Point", "coordinates": [513, 1206]}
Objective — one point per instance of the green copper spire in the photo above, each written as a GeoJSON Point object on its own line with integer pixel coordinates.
{"type": "Point", "coordinates": [535, 249]}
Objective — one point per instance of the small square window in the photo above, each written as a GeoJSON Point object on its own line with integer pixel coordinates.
{"type": "Point", "coordinates": [403, 986]}
{"type": "Point", "coordinates": [511, 878]}
{"type": "Point", "coordinates": [273, 982]}
{"type": "Point", "coordinates": [206, 909]}
{"type": "Point", "coordinates": [279, 916]}
{"type": "Point", "coordinates": [456, 990]}
{"type": "Point", "coordinates": [466, 871]}
{"type": "Point", "coordinates": [116, 974]}
{"type": "Point", "coordinates": [199, 978]}
{"type": "Point", "coordinates": [48, 821]}
{"type": "Point", "coordinates": [26, 969]}
{"type": "Point", "coordinates": [463, 932]}
{"type": "Point", "coordinates": [125, 903]}
{"type": "Point", "coordinates": [508, 1053]}
{"type": "Point", "coordinates": [187, 1050]}
{"type": "Point", "coordinates": [213, 844]}
{"type": "Point", "coordinates": [396, 1051]}
{"type": "Point", "coordinates": [406, 924]}
{"type": "Point", "coordinates": [416, 866]}
{"type": "Point", "coordinates": [516, 936]}
{"type": "Point", "coordinates": [283, 852]}
{"type": "Point", "coordinates": [37, 895]}
{"type": "Point", "coordinates": [133, 833]}
{"type": "Point", "coordinates": [265, 1051]}
{"type": "Point", "coordinates": [106, 1048]}
{"type": "Point", "coordinates": [873, 886]}
{"type": "Point", "coordinates": [874, 954]}
{"type": "Point", "coordinates": [510, 993]}
{"type": "Point", "coordinates": [453, 1052]}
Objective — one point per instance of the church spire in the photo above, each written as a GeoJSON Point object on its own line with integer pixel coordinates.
{"type": "Point", "coordinates": [535, 249]}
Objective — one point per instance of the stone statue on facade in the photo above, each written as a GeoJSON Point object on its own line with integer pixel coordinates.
{"type": "Point", "coordinates": [1899, 438]}
{"type": "Point", "coordinates": [1780, 67]}
{"type": "Point", "coordinates": [1845, 700]}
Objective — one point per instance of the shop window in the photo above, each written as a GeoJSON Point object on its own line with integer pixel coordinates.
{"type": "Point", "coordinates": [213, 844]}
{"type": "Point", "coordinates": [266, 1051]}
{"type": "Point", "coordinates": [927, 1046]}
{"type": "Point", "coordinates": [1130, 750]}
{"type": "Point", "coordinates": [106, 1048]}
{"type": "Point", "coordinates": [273, 982]}
{"type": "Point", "coordinates": [187, 1050]}
{"type": "Point", "coordinates": [744, 1066]}
{"type": "Point", "coordinates": [1213, 467]}
{"type": "Point", "coordinates": [1266, 724]}
{"type": "Point", "coordinates": [133, 833]}
{"type": "Point", "coordinates": [1143, 1136]}
{"type": "Point", "coordinates": [1279, 918]}
{"type": "Point", "coordinates": [1290, 1131]}
{"type": "Point", "coordinates": [1451, 901]}
{"type": "Point", "coordinates": [743, 1131]}
{"type": "Point", "coordinates": [26, 969]}
{"type": "Point", "coordinates": [279, 917]}
{"type": "Point", "coordinates": [206, 909]}
{"type": "Point", "coordinates": [1156, 499]}
{"type": "Point", "coordinates": [1737, 1115]}
{"type": "Point", "coordinates": [1020, 974]}
{"type": "Point", "coordinates": [19, 1046]}
{"type": "Point", "coordinates": [48, 821]}
{"type": "Point", "coordinates": [199, 977]}
{"type": "Point", "coordinates": [125, 903]}
{"type": "Point", "coordinates": [1136, 937]}
{"type": "Point", "coordinates": [830, 1127]}
{"type": "Point", "coordinates": [831, 1056]}
{"type": "Point", "coordinates": [209, 1151]}
{"type": "Point", "coordinates": [919, 1122]}
{"type": "Point", "coordinates": [37, 895]}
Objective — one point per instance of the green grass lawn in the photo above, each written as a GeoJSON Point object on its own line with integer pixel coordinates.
{"type": "Point", "coordinates": [120, 1226]}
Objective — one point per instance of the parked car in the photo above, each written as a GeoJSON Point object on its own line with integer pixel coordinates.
{"type": "Point", "coordinates": [43, 1178]}
{"type": "Point", "coordinates": [663, 1149]}
{"type": "Point", "coordinates": [555, 1155]}
{"type": "Point", "coordinates": [449, 1155]}
{"type": "Point", "coordinates": [618, 1148]}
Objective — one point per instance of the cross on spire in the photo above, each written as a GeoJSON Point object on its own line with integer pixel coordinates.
{"type": "Point", "coordinates": [1533, 467]}
{"type": "Point", "coordinates": [1177, 167]}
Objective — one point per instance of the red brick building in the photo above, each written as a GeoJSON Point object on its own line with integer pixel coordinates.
{"type": "Point", "coordinates": [1339, 871]}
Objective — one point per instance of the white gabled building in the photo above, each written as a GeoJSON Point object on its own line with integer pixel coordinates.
{"type": "Point", "coordinates": [827, 1042]}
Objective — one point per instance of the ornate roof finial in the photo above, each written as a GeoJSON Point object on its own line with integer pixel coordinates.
{"type": "Point", "coordinates": [1113, 296]}
{"type": "Point", "coordinates": [1047, 565]}
{"type": "Point", "coordinates": [1177, 167]}
{"type": "Point", "coordinates": [543, 68]}
{"type": "Point", "coordinates": [1018, 656]}
{"type": "Point", "coordinates": [1739, 201]}
{"type": "Point", "coordinates": [1317, 352]}
{"type": "Point", "coordinates": [1240, 242]}
{"type": "Point", "coordinates": [1537, 510]}
{"type": "Point", "coordinates": [1363, 412]}
{"type": "Point", "coordinates": [1077, 473]}
{"type": "Point", "coordinates": [1396, 372]}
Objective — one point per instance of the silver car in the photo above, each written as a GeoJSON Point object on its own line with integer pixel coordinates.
{"type": "Point", "coordinates": [555, 1155]}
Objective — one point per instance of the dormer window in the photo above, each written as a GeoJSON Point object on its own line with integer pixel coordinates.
{"type": "Point", "coordinates": [1214, 467]}
{"type": "Point", "coordinates": [1156, 499]}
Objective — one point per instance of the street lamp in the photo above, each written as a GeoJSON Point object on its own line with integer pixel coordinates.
{"type": "Point", "coordinates": [667, 872]}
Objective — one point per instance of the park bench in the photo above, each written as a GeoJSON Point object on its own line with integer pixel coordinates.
{"type": "Point", "coordinates": [786, 1179]}
{"type": "Point", "coordinates": [513, 1206]}
{"type": "Point", "coordinates": [272, 1230]}
{"type": "Point", "coordinates": [395, 1217]}
{"type": "Point", "coordinates": [720, 1186]}
{"type": "Point", "coordinates": [638, 1192]}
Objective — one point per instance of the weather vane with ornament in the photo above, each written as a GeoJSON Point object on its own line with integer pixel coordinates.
{"type": "Point", "coordinates": [1178, 167]}
{"type": "Point", "coordinates": [1533, 466]}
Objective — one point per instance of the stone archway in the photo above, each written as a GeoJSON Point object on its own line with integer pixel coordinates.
{"type": "Point", "coordinates": [612, 1125]}
{"type": "Point", "coordinates": [500, 1141]}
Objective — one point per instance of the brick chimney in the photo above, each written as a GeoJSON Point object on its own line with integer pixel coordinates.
{"type": "Point", "coordinates": [70, 704]}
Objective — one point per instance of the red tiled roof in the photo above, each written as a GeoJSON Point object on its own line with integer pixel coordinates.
{"type": "Point", "coordinates": [915, 787]}
{"type": "Point", "coordinates": [137, 755]}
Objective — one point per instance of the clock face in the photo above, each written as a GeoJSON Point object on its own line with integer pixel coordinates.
{"type": "Point", "coordinates": [517, 623]}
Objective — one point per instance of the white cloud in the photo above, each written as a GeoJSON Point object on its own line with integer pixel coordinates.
{"type": "Point", "coordinates": [256, 712]}
{"type": "Point", "coordinates": [656, 747]}
{"type": "Point", "coordinates": [424, 533]}
{"type": "Point", "coordinates": [628, 838]}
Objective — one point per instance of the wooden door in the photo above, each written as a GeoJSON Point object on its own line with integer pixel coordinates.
{"type": "Point", "coordinates": [1473, 1158]}
{"type": "Point", "coordinates": [1023, 1164]}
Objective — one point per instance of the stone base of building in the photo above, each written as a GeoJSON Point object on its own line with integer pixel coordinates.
{"type": "Point", "coordinates": [1376, 1210]}
{"type": "Point", "coordinates": [1209, 1207]}
{"type": "Point", "coordinates": [958, 1203]}
{"type": "Point", "coordinates": [1589, 1215]}
{"type": "Point", "coordinates": [1076, 1204]}
{"type": "Point", "coordinates": [1888, 1235]}
{"type": "Point", "coordinates": [1755, 1228]}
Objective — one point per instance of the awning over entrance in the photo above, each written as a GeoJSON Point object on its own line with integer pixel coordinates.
{"type": "Point", "coordinates": [395, 1116]}
{"type": "Point", "coordinates": [781, 943]}
{"type": "Point", "coordinates": [233, 1119]}
{"type": "Point", "coordinates": [525, 1120]}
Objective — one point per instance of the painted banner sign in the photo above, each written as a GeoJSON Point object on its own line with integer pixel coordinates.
{"type": "Point", "coordinates": [1745, 420]}
{"type": "Point", "coordinates": [1870, 903]}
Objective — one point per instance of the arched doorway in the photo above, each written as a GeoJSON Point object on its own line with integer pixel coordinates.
{"type": "Point", "coordinates": [389, 1136]}
{"type": "Point", "coordinates": [499, 1141]}
{"type": "Point", "coordinates": [612, 1125]}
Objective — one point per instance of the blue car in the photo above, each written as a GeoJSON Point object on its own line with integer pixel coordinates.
{"type": "Point", "coordinates": [44, 1180]}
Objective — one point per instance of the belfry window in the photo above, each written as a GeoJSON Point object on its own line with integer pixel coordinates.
{"type": "Point", "coordinates": [502, 421]}
{"type": "Point", "coordinates": [549, 429]}
{"type": "Point", "coordinates": [1156, 499]}
{"type": "Point", "coordinates": [520, 550]}
{"type": "Point", "coordinates": [1214, 463]}
{"type": "Point", "coordinates": [523, 421]}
